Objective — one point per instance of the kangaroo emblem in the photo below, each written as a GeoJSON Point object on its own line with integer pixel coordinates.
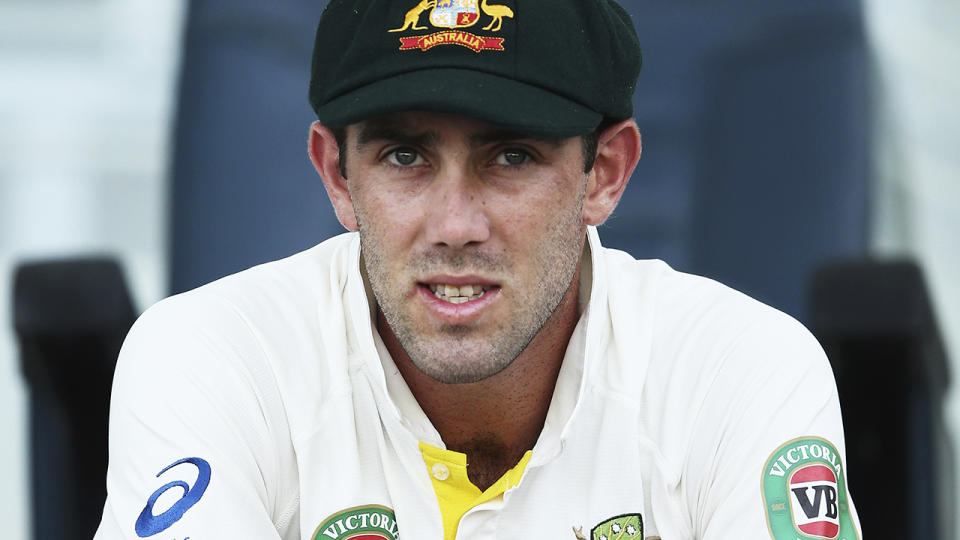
{"type": "Point", "coordinates": [496, 11]}
{"type": "Point", "coordinates": [412, 18]}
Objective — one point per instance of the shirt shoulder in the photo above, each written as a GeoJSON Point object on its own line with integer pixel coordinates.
{"type": "Point", "coordinates": [280, 325]}
{"type": "Point", "coordinates": [687, 324]}
{"type": "Point", "coordinates": [725, 381]}
{"type": "Point", "coordinates": [225, 376]}
{"type": "Point", "coordinates": [699, 349]}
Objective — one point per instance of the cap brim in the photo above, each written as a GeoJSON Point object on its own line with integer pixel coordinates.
{"type": "Point", "coordinates": [491, 98]}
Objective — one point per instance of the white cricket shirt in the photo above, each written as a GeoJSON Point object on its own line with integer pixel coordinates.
{"type": "Point", "coordinates": [265, 406]}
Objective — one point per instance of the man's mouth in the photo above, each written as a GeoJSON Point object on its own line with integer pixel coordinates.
{"type": "Point", "coordinates": [459, 294]}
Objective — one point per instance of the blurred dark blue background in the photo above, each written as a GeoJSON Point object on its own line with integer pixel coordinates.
{"type": "Point", "coordinates": [754, 117]}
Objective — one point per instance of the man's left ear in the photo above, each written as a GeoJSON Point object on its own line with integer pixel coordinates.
{"type": "Point", "coordinates": [618, 151]}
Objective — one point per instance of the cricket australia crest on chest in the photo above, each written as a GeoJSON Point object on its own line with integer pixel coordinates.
{"type": "Point", "coordinates": [622, 527]}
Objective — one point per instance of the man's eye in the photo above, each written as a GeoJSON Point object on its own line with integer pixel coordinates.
{"type": "Point", "coordinates": [404, 157]}
{"type": "Point", "coordinates": [512, 157]}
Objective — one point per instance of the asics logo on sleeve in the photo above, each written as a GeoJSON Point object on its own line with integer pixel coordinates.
{"type": "Point", "coordinates": [149, 524]}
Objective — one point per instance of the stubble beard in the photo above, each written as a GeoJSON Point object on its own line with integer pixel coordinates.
{"type": "Point", "coordinates": [459, 355]}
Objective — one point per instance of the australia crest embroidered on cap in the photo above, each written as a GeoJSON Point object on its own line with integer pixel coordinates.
{"type": "Point", "coordinates": [453, 16]}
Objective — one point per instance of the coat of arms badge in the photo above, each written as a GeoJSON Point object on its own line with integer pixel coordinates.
{"type": "Point", "coordinates": [455, 13]}
{"type": "Point", "coordinates": [452, 16]}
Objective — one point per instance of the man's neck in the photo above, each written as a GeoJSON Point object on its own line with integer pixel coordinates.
{"type": "Point", "coordinates": [496, 420]}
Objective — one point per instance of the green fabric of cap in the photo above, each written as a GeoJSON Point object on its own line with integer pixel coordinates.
{"type": "Point", "coordinates": [545, 67]}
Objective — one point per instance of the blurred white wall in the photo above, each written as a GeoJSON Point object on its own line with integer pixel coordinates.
{"type": "Point", "coordinates": [85, 109]}
{"type": "Point", "coordinates": [916, 46]}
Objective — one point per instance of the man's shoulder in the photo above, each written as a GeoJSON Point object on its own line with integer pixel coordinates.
{"type": "Point", "coordinates": [686, 316]}
{"type": "Point", "coordinates": [704, 351]}
{"type": "Point", "coordinates": [674, 294]}
{"type": "Point", "coordinates": [296, 274]}
{"type": "Point", "coordinates": [730, 315]}
{"type": "Point", "coordinates": [679, 291]}
{"type": "Point", "coordinates": [263, 324]}
{"type": "Point", "coordinates": [298, 281]}
{"type": "Point", "coordinates": [275, 306]}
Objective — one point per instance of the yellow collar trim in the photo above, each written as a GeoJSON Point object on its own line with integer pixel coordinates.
{"type": "Point", "coordinates": [456, 494]}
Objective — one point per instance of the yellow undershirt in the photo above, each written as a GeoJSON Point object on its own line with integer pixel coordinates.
{"type": "Point", "coordinates": [456, 494]}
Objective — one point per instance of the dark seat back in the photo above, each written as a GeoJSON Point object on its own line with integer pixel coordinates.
{"type": "Point", "coordinates": [877, 325]}
{"type": "Point", "coordinates": [70, 318]}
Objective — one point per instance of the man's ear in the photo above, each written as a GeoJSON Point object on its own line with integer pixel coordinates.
{"type": "Point", "coordinates": [325, 155]}
{"type": "Point", "coordinates": [618, 151]}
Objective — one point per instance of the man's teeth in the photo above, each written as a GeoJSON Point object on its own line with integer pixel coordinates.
{"type": "Point", "coordinates": [458, 295]}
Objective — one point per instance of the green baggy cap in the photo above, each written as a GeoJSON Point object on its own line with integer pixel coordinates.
{"type": "Point", "coordinates": [545, 67]}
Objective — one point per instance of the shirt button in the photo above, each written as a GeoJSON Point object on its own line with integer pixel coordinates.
{"type": "Point", "coordinates": [440, 471]}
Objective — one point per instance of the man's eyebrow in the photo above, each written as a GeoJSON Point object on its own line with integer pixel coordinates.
{"type": "Point", "coordinates": [500, 135]}
{"type": "Point", "coordinates": [371, 132]}
{"type": "Point", "coordinates": [400, 133]}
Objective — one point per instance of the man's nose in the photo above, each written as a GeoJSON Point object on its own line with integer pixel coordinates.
{"type": "Point", "coordinates": [457, 215]}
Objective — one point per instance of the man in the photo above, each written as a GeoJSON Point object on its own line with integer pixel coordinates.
{"type": "Point", "coordinates": [470, 362]}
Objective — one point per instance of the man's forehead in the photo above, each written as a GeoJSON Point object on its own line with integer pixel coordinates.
{"type": "Point", "coordinates": [430, 128]}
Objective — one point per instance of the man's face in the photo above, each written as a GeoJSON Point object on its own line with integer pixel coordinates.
{"type": "Point", "coordinates": [470, 235]}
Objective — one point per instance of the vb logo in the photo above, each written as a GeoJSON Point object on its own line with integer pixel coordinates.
{"type": "Point", "coordinates": [814, 501]}
{"type": "Point", "coordinates": [805, 492]}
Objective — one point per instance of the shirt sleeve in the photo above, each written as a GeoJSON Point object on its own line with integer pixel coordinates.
{"type": "Point", "coordinates": [767, 456]}
{"type": "Point", "coordinates": [199, 444]}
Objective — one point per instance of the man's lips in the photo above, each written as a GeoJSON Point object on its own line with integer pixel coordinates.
{"type": "Point", "coordinates": [458, 299]}
{"type": "Point", "coordinates": [459, 294]}
{"type": "Point", "coordinates": [449, 279]}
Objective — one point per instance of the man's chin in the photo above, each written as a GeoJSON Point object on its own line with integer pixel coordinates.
{"type": "Point", "coordinates": [460, 368]}
{"type": "Point", "coordinates": [456, 331]}
{"type": "Point", "coordinates": [459, 376]}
